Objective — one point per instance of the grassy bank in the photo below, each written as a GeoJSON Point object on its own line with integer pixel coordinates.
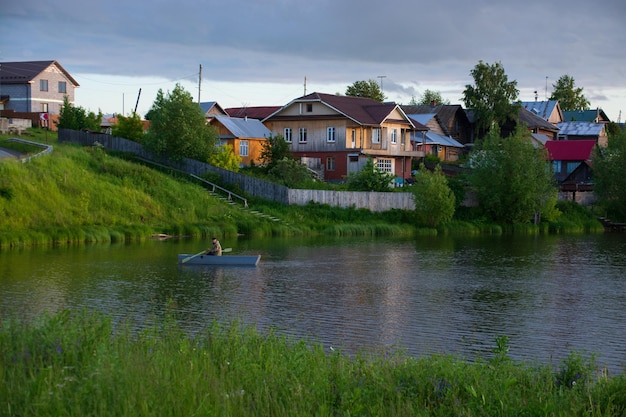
{"type": "Point", "coordinates": [85, 194]}
{"type": "Point", "coordinates": [73, 366]}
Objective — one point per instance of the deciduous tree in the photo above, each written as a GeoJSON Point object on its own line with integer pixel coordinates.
{"type": "Point", "coordinates": [130, 127]}
{"type": "Point", "coordinates": [178, 127]}
{"type": "Point", "coordinates": [434, 200]}
{"type": "Point", "coordinates": [609, 169]}
{"type": "Point", "coordinates": [512, 179]}
{"type": "Point", "coordinates": [273, 150]}
{"type": "Point", "coordinates": [77, 118]}
{"type": "Point", "coordinates": [493, 97]}
{"type": "Point", "coordinates": [568, 95]}
{"type": "Point", "coordinates": [432, 97]}
{"type": "Point", "coordinates": [370, 178]}
{"type": "Point", "coordinates": [368, 89]}
{"type": "Point", "coordinates": [224, 157]}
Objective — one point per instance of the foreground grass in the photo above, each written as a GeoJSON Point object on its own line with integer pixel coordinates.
{"type": "Point", "coordinates": [79, 365]}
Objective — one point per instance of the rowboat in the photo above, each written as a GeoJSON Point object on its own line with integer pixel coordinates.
{"type": "Point", "coordinates": [242, 260]}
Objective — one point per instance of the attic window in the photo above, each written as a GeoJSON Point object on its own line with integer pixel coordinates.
{"type": "Point", "coordinates": [309, 107]}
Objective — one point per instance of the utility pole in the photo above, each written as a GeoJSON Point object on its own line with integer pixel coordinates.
{"type": "Point", "coordinates": [304, 85]}
{"type": "Point", "coordinates": [546, 87]}
{"type": "Point", "coordinates": [199, 83]}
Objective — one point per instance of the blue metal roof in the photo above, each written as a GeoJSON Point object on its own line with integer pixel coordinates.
{"type": "Point", "coordinates": [422, 118]}
{"type": "Point", "coordinates": [542, 109]}
{"type": "Point", "coordinates": [580, 128]}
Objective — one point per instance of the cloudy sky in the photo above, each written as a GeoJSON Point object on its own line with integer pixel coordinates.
{"type": "Point", "coordinates": [255, 52]}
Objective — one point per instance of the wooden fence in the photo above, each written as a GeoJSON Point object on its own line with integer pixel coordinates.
{"type": "Point", "coordinates": [374, 201]}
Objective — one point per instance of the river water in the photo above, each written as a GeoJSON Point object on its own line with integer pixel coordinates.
{"type": "Point", "coordinates": [550, 295]}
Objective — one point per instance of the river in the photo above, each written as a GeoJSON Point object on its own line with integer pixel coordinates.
{"type": "Point", "coordinates": [550, 295]}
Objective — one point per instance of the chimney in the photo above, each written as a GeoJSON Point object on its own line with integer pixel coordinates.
{"type": "Point", "coordinates": [433, 103]}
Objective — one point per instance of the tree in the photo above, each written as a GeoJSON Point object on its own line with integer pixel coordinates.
{"type": "Point", "coordinates": [368, 89]}
{"type": "Point", "coordinates": [77, 118]}
{"type": "Point", "coordinates": [289, 172]}
{"type": "Point", "coordinates": [569, 96]}
{"type": "Point", "coordinates": [370, 178]}
{"type": "Point", "coordinates": [224, 157]}
{"type": "Point", "coordinates": [130, 127]}
{"type": "Point", "coordinates": [512, 179]}
{"type": "Point", "coordinates": [274, 149]}
{"type": "Point", "coordinates": [178, 128]}
{"type": "Point", "coordinates": [432, 97]}
{"type": "Point", "coordinates": [492, 97]}
{"type": "Point", "coordinates": [609, 166]}
{"type": "Point", "coordinates": [434, 200]}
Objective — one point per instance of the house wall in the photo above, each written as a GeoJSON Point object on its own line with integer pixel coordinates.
{"type": "Point", "coordinates": [255, 147]}
{"type": "Point", "coordinates": [53, 98]}
{"type": "Point", "coordinates": [19, 97]}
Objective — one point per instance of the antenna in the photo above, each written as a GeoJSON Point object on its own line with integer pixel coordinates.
{"type": "Point", "coordinates": [199, 83]}
{"type": "Point", "coordinates": [546, 87]}
{"type": "Point", "coordinates": [381, 82]}
{"type": "Point", "coordinates": [304, 85]}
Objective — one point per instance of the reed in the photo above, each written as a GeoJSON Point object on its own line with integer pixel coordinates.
{"type": "Point", "coordinates": [81, 364]}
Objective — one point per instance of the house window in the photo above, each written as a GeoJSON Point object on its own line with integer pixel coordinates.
{"type": "Point", "coordinates": [243, 148]}
{"type": "Point", "coordinates": [384, 165]}
{"type": "Point", "coordinates": [44, 107]}
{"type": "Point", "coordinates": [353, 138]}
{"type": "Point", "coordinates": [330, 163]}
{"type": "Point", "coordinates": [62, 87]}
{"type": "Point", "coordinates": [571, 167]}
{"type": "Point", "coordinates": [375, 135]}
{"type": "Point", "coordinates": [43, 85]}
{"type": "Point", "coordinates": [330, 134]}
{"type": "Point", "coordinates": [394, 135]}
{"type": "Point", "coordinates": [287, 134]}
{"type": "Point", "coordinates": [309, 107]}
{"type": "Point", "coordinates": [556, 167]}
{"type": "Point", "coordinates": [302, 135]}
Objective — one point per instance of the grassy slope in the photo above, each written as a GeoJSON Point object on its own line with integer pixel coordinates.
{"type": "Point", "coordinates": [80, 194]}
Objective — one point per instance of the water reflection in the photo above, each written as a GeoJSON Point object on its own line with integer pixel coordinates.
{"type": "Point", "coordinates": [549, 294]}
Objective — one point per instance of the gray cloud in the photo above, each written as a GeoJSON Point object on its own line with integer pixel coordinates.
{"type": "Point", "coordinates": [413, 43]}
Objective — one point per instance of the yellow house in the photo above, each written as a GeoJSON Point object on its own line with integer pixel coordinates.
{"type": "Point", "coordinates": [245, 135]}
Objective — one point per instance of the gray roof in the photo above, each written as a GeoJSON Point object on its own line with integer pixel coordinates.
{"type": "Point", "coordinates": [244, 127]}
{"type": "Point", "coordinates": [431, 138]}
{"type": "Point", "coordinates": [580, 128]}
{"type": "Point", "coordinates": [422, 118]}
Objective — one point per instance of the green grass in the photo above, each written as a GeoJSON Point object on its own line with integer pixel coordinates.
{"type": "Point", "coordinates": [84, 194]}
{"type": "Point", "coordinates": [82, 366]}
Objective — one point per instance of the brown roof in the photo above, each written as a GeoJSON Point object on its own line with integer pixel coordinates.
{"type": "Point", "coordinates": [23, 72]}
{"type": "Point", "coordinates": [364, 111]}
{"type": "Point", "coordinates": [259, 112]}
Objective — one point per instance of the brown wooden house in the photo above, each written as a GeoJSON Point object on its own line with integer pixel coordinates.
{"type": "Point", "coordinates": [335, 135]}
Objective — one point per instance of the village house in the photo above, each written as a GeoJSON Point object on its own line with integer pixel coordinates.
{"type": "Point", "coordinates": [35, 86]}
{"type": "Point", "coordinates": [245, 136]}
{"type": "Point", "coordinates": [335, 135]}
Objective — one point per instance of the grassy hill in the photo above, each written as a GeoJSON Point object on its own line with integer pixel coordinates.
{"type": "Point", "coordinates": [84, 194]}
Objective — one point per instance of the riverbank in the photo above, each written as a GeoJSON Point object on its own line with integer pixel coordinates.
{"type": "Point", "coordinates": [81, 365]}
{"type": "Point", "coordinates": [86, 194]}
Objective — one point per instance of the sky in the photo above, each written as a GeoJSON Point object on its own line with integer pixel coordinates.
{"type": "Point", "coordinates": [268, 53]}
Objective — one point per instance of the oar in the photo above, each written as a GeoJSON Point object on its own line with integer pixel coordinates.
{"type": "Point", "coordinates": [200, 253]}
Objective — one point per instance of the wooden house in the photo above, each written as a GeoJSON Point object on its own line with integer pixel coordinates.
{"type": "Point", "coordinates": [335, 135]}
{"type": "Point", "coordinates": [246, 136]}
{"type": "Point", "coordinates": [211, 109]}
{"type": "Point", "coordinates": [433, 140]}
{"type": "Point", "coordinates": [584, 131]}
{"type": "Point", "coordinates": [571, 160]}
{"type": "Point", "coordinates": [449, 120]}
{"type": "Point", "coordinates": [253, 112]}
{"type": "Point", "coordinates": [593, 116]}
{"type": "Point", "coordinates": [548, 110]}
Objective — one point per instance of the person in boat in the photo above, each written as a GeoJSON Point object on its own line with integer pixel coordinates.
{"type": "Point", "coordinates": [216, 249]}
